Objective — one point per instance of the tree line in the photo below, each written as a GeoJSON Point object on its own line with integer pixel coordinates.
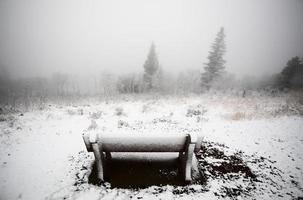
{"type": "Point", "coordinates": [212, 76]}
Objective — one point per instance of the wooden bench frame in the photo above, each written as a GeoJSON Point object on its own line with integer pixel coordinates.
{"type": "Point", "coordinates": [102, 146]}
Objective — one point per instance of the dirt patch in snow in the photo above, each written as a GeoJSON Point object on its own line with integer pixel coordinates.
{"type": "Point", "coordinates": [220, 164]}
{"type": "Point", "coordinates": [238, 174]}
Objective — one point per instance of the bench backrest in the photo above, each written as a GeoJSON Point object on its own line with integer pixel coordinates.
{"type": "Point", "coordinates": [140, 143]}
{"type": "Point", "coordinates": [144, 144]}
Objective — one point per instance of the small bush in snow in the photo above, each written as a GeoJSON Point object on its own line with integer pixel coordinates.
{"type": "Point", "coordinates": [162, 120]}
{"type": "Point", "coordinates": [122, 123]}
{"type": "Point", "coordinates": [2, 118]}
{"type": "Point", "coordinates": [240, 116]}
{"type": "Point", "coordinates": [119, 111]}
{"type": "Point", "coordinates": [75, 112]}
{"type": "Point", "coordinates": [95, 115]}
{"type": "Point", "coordinates": [288, 109]}
{"type": "Point", "coordinates": [11, 121]}
{"type": "Point", "coordinates": [80, 111]}
{"type": "Point", "coordinates": [195, 111]}
{"type": "Point", "coordinates": [71, 112]}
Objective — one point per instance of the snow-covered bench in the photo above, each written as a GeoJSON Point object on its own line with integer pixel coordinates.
{"type": "Point", "coordinates": [102, 146]}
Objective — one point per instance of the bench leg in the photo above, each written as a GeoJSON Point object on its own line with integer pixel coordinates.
{"type": "Point", "coordinates": [87, 142]}
{"type": "Point", "coordinates": [181, 155]}
{"type": "Point", "coordinates": [188, 162]}
{"type": "Point", "coordinates": [195, 173]}
{"type": "Point", "coordinates": [99, 160]}
{"type": "Point", "coordinates": [108, 157]}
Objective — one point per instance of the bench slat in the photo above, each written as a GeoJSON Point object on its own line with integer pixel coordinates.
{"type": "Point", "coordinates": [143, 144]}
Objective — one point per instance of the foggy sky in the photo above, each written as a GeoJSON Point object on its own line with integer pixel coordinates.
{"type": "Point", "coordinates": [39, 37]}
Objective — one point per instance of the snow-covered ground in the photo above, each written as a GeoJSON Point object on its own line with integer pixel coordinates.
{"type": "Point", "coordinates": [252, 148]}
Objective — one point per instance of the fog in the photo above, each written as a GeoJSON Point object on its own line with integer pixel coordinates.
{"type": "Point", "coordinates": [39, 37]}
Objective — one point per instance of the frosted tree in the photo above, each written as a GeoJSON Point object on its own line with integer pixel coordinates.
{"type": "Point", "coordinates": [214, 69]}
{"type": "Point", "coordinates": [151, 67]}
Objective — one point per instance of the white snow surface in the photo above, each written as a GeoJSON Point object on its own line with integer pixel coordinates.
{"type": "Point", "coordinates": [39, 151]}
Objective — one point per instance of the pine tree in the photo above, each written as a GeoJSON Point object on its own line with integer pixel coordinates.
{"type": "Point", "coordinates": [151, 67]}
{"type": "Point", "coordinates": [215, 68]}
{"type": "Point", "coordinates": [292, 75]}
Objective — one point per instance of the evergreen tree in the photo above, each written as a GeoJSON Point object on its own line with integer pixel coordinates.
{"type": "Point", "coordinates": [151, 67]}
{"type": "Point", "coordinates": [292, 75]}
{"type": "Point", "coordinates": [215, 68]}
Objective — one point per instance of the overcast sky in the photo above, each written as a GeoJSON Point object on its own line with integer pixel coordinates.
{"type": "Point", "coordinates": [38, 37]}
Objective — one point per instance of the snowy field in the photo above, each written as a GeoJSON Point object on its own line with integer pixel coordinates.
{"type": "Point", "coordinates": [252, 148]}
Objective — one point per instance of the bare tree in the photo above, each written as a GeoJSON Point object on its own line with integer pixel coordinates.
{"type": "Point", "coordinates": [60, 81]}
{"type": "Point", "coordinates": [107, 83]}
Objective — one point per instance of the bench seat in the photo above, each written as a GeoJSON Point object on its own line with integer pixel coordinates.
{"type": "Point", "coordinates": [102, 145]}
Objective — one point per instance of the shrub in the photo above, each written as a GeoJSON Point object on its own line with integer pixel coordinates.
{"type": "Point", "coordinates": [119, 111]}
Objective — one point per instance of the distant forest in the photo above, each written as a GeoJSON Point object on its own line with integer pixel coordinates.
{"type": "Point", "coordinates": [153, 78]}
